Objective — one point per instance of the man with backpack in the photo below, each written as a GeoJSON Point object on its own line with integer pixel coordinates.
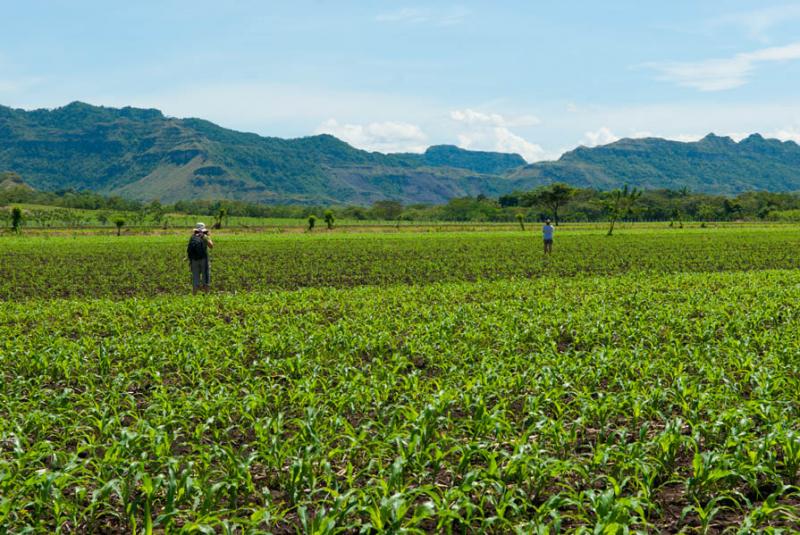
{"type": "Point", "coordinates": [197, 251]}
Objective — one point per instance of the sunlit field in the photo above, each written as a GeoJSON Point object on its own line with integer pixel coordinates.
{"type": "Point", "coordinates": [440, 381]}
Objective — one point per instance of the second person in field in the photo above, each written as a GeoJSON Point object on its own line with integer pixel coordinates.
{"type": "Point", "coordinates": [547, 235]}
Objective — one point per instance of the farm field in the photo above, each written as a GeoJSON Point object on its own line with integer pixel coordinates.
{"type": "Point", "coordinates": [111, 266]}
{"type": "Point", "coordinates": [408, 382]}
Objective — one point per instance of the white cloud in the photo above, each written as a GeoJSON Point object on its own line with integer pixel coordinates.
{"type": "Point", "coordinates": [686, 138]}
{"type": "Point", "coordinates": [480, 130]}
{"type": "Point", "coordinates": [406, 14]}
{"type": "Point", "coordinates": [296, 110]}
{"type": "Point", "coordinates": [9, 86]}
{"type": "Point", "coordinates": [472, 117]}
{"type": "Point", "coordinates": [501, 139]}
{"type": "Point", "coordinates": [785, 134]}
{"type": "Point", "coordinates": [683, 121]}
{"type": "Point", "coordinates": [453, 16]}
{"type": "Point", "coordinates": [507, 141]}
{"type": "Point", "coordinates": [603, 136]}
{"type": "Point", "coordinates": [425, 15]}
{"type": "Point", "coordinates": [723, 73]}
{"type": "Point", "coordinates": [757, 23]}
{"type": "Point", "coordinates": [737, 136]}
{"type": "Point", "coordinates": [284, 110]}
{"type": "Point", "coordinates": [382, 137]}
{"type": "Point", "coordinates": [18, 85]}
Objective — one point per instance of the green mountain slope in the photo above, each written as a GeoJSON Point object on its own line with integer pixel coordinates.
{"type": "Point", "coordinates": [143, 154]}
{"type": "Point", "coordinates": [477, 161]}
{"type": "Point", "coordinates": [12, 181]}
{"type": "Point", "coordinates": [712, 165]}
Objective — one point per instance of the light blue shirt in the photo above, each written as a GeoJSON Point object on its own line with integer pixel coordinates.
{"type": "Point", "coordinates": [547, 232]}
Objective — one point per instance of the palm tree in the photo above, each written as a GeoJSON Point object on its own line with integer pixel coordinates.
{"type": "Point", "coordinates": [619, 203]}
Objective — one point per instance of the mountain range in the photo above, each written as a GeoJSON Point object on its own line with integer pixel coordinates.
{"type": "Point", "coordinates": [714, 164]}
{"type": "Point", "coordinates": [143, 154]}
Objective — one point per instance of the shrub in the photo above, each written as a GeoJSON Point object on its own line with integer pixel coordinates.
{"type": "Point", "coordinates": [329, 219]}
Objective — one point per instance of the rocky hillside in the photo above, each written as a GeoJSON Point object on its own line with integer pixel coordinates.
{"type": "Point", "coordinates": [712, 165]}
{"type": "Point", "coordinates": [142, 154]}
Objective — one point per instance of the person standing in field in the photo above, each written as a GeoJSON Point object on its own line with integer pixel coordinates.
{"type": "Point", "coordinates": [547, 234]}
{"type": "Point", "coordinates": [197, 251]}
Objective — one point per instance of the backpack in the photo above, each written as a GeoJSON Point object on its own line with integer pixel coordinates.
{"type": "Point", "coordinates": [197, 249]}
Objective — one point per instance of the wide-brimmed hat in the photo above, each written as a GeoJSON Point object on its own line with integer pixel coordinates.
{"type": "Point", "coordinates": [200, 226]}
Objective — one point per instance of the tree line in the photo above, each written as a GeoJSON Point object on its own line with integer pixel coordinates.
{"type": "Point", "coordinates": [560, 202]}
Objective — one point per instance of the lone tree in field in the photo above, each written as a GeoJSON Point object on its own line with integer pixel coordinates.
{"type": "Point", "coordinates": [552, 197]}
{"type": "Point", "coordinates": [222, 215]}
{"type": "Point", "coordinates": [329, 219]}
{"type": "Point", "coordinates": [521, 221]}
{"type": "Point", "coordinates": [676, 215]}
{"type": "Point", "coordinates": [620, 203]}
{"type": "Point", "coordinates": [16, 219]}
{"type": "Point", "coordinates": [156, 211]}
{"type": "Point", "coordinates": [119, 222]}
{"type": "Point", "coordinates": [388, 210]}
{"type": "Point", "coordinates": [312, 220]}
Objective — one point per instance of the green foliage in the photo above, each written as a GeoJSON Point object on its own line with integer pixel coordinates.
{"type": "Point", "coordinates": [619, 204]}
{"type": "Point", "coordinates": [712, 165]}
{"type": "Point", "coordinates": [583, 205]}
{"type": "Point", "coordinates": [329, 219]}
{"type": "Point", "coordinates": [510, 199]}
{"type": "Point", "coordinates": [42, 217]}
{"type": "Point", "coordinates": [155, 211]}
{"type": "Point", "coordinates": [551, 197]}
{"type": "Point", "coordinates": [785, 215]}
{"type": "Point", "coordinates": [145, 265]}
{"type": "Point", "coordinates": [67, 199]}
{"type": "Point", "coordinates": [12, 182]}
{"type": "Point", "coordinates": [312, 220]}
{"type": "Point", "coordinates": [220, 217]}
{"type": "Point", "coordinates": [119, 222]}
{"type": "Point", "coordinates": [489, 163]}
{"type": "Point", "coordinates": [521, 220]}
{"type": "Point", "coordinates": [16, 218]}
{"type": "Point", "coordinates": [470, 209]}
{"type": "Point", "coordinates": [633, 402]}
{"type": "Point", "coordinates": [109, 150]}
{"type": "Point", "coordinates": [86, 148]}
{"type": "Point", "coordinates": [389, 210]}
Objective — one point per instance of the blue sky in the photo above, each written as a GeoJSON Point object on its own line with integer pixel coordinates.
{"type": "Point", "coordinates": [536, 77]}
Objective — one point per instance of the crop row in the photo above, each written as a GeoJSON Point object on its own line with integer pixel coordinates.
{"type": "Point", "coordinates": [145, 266]}
{"type": "Point", "coordinates": [652, 402]}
